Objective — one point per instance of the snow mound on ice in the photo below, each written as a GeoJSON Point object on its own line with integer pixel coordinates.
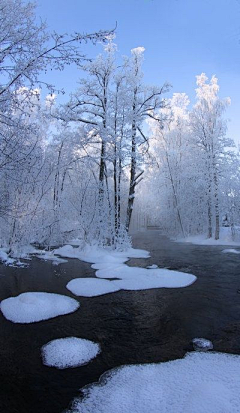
{"type": "Point", "coordinates": [110, 264]}
{"type": "Point", "coordinates": [69, 352]}
{"type": "Point", "coordinates": [199, 383]}
{"type": "Point", "coordinates": [91, 287]}
{"type": "Point", "coordinates": [31, 307]}
{"type": "Point", "coordinates": [231, 250]}
{"type": "Point", "coordinates": [134, 278]}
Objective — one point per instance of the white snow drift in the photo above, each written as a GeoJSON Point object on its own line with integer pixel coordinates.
{"type": "Point", "coordinates": [110, 264]}
{"type": "Point", "coordinates": [31, 307]}
{"type": "Point", "coordinates": [199, 383]}
{"type": "Point", "coordinates": [69, 352]}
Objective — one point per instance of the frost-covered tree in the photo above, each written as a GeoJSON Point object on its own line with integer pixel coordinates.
{"type": "Point", "coordinates": [195, 171]}
{"type": "Point", "coordinates": [26, 51]}
{"type": "Point", "coordinates": [90, 106]}
{"type": "Point", "coordinates": [144, 102]}
{"type": "Point", "coordinates": [113, 102]}
{"type": "Point", "coordinates": [209, 133]}
{"type": "Point", "coordinates": [170, 145]}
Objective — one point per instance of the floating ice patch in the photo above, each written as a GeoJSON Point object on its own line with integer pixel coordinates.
{"type": "Point", "coordinates": [91, 287]}
{"type": "Point", "coordinates": [232, 251]}
{"type": "Point", "coordinates": [199, 383]}
{"type": "Point", "coordinates": [152, 267]}
{"type": "Point", "coordinates": [31, 307]}
{"type": "Point", "coordinates": [202, 344]}
{"type": "Point", "coordinates": [134, 278]}
{"type": "Point", "coordinates": [110, 264]}
{"type": "Point", "coordinates": [69, 352]}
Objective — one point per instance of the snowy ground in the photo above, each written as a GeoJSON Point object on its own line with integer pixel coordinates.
{"type": "Point", "coordinates": [199, 383]}
{"type": "Point", "coordinates": [225, 238]}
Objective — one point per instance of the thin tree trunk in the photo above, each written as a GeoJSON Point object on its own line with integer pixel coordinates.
{"type": "Point", "coordinates": [209, 212]}
{"type": "Point", "coordinates": [175, 196]}
{"type": "Point", "coordinates": [217, 230]}
{"type": "Point", "coordinates": [131, 193]}
{"type": "Point", "coordinates": [209, 192]}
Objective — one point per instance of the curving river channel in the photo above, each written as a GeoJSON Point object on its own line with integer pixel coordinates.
{"type": "Point", "coordinates": [131, 326]}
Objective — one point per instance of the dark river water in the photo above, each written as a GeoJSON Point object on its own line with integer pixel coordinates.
{"type": "Point", "coordinates": [131, 326]}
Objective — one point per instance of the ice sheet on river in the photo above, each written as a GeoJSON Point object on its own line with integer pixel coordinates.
{"type": "Point", "coordinates": [31, 307]}
{"type": "Point", "coordinates": [69, 352]}
{"type": "Point", "coordinates": [199, 383]}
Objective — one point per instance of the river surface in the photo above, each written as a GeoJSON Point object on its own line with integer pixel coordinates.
{"type": "Point", "coordinates": [131, 326]}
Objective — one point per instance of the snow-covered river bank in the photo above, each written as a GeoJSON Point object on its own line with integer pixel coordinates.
{"type": "Point", "coordinates": [131, 326]}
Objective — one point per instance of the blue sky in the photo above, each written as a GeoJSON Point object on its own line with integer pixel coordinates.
{"type": "Point", "coordinates": [182, 38]}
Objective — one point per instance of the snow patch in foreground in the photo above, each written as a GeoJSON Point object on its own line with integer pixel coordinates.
{"type": "Point", "coordinates": [231, 250]}
{"type": "Point", "coordinates": [199, 383]}
{"type": "Point", "coordinates": [91, 287]}
{"type": "Point", "coordinates": [31, 307]}
{"type": "Point", "coordinates": [69, 352]}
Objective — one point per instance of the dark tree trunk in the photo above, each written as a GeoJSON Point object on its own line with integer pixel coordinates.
{"type": "Point", "coordinates": [132, 185]}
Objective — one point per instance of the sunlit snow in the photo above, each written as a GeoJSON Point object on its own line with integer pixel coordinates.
{"type": "Point", "coordinates": [199, 383]}
{"type": "Point", "coordinates": [31, 307]}
{"type": "Point", "coordinates": [69, 352]}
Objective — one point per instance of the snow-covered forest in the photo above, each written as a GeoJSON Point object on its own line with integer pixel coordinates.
{"type": "Point", "coordinates": [119, 206]}
{"type": "Point", "coordinates": [118, 154]}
